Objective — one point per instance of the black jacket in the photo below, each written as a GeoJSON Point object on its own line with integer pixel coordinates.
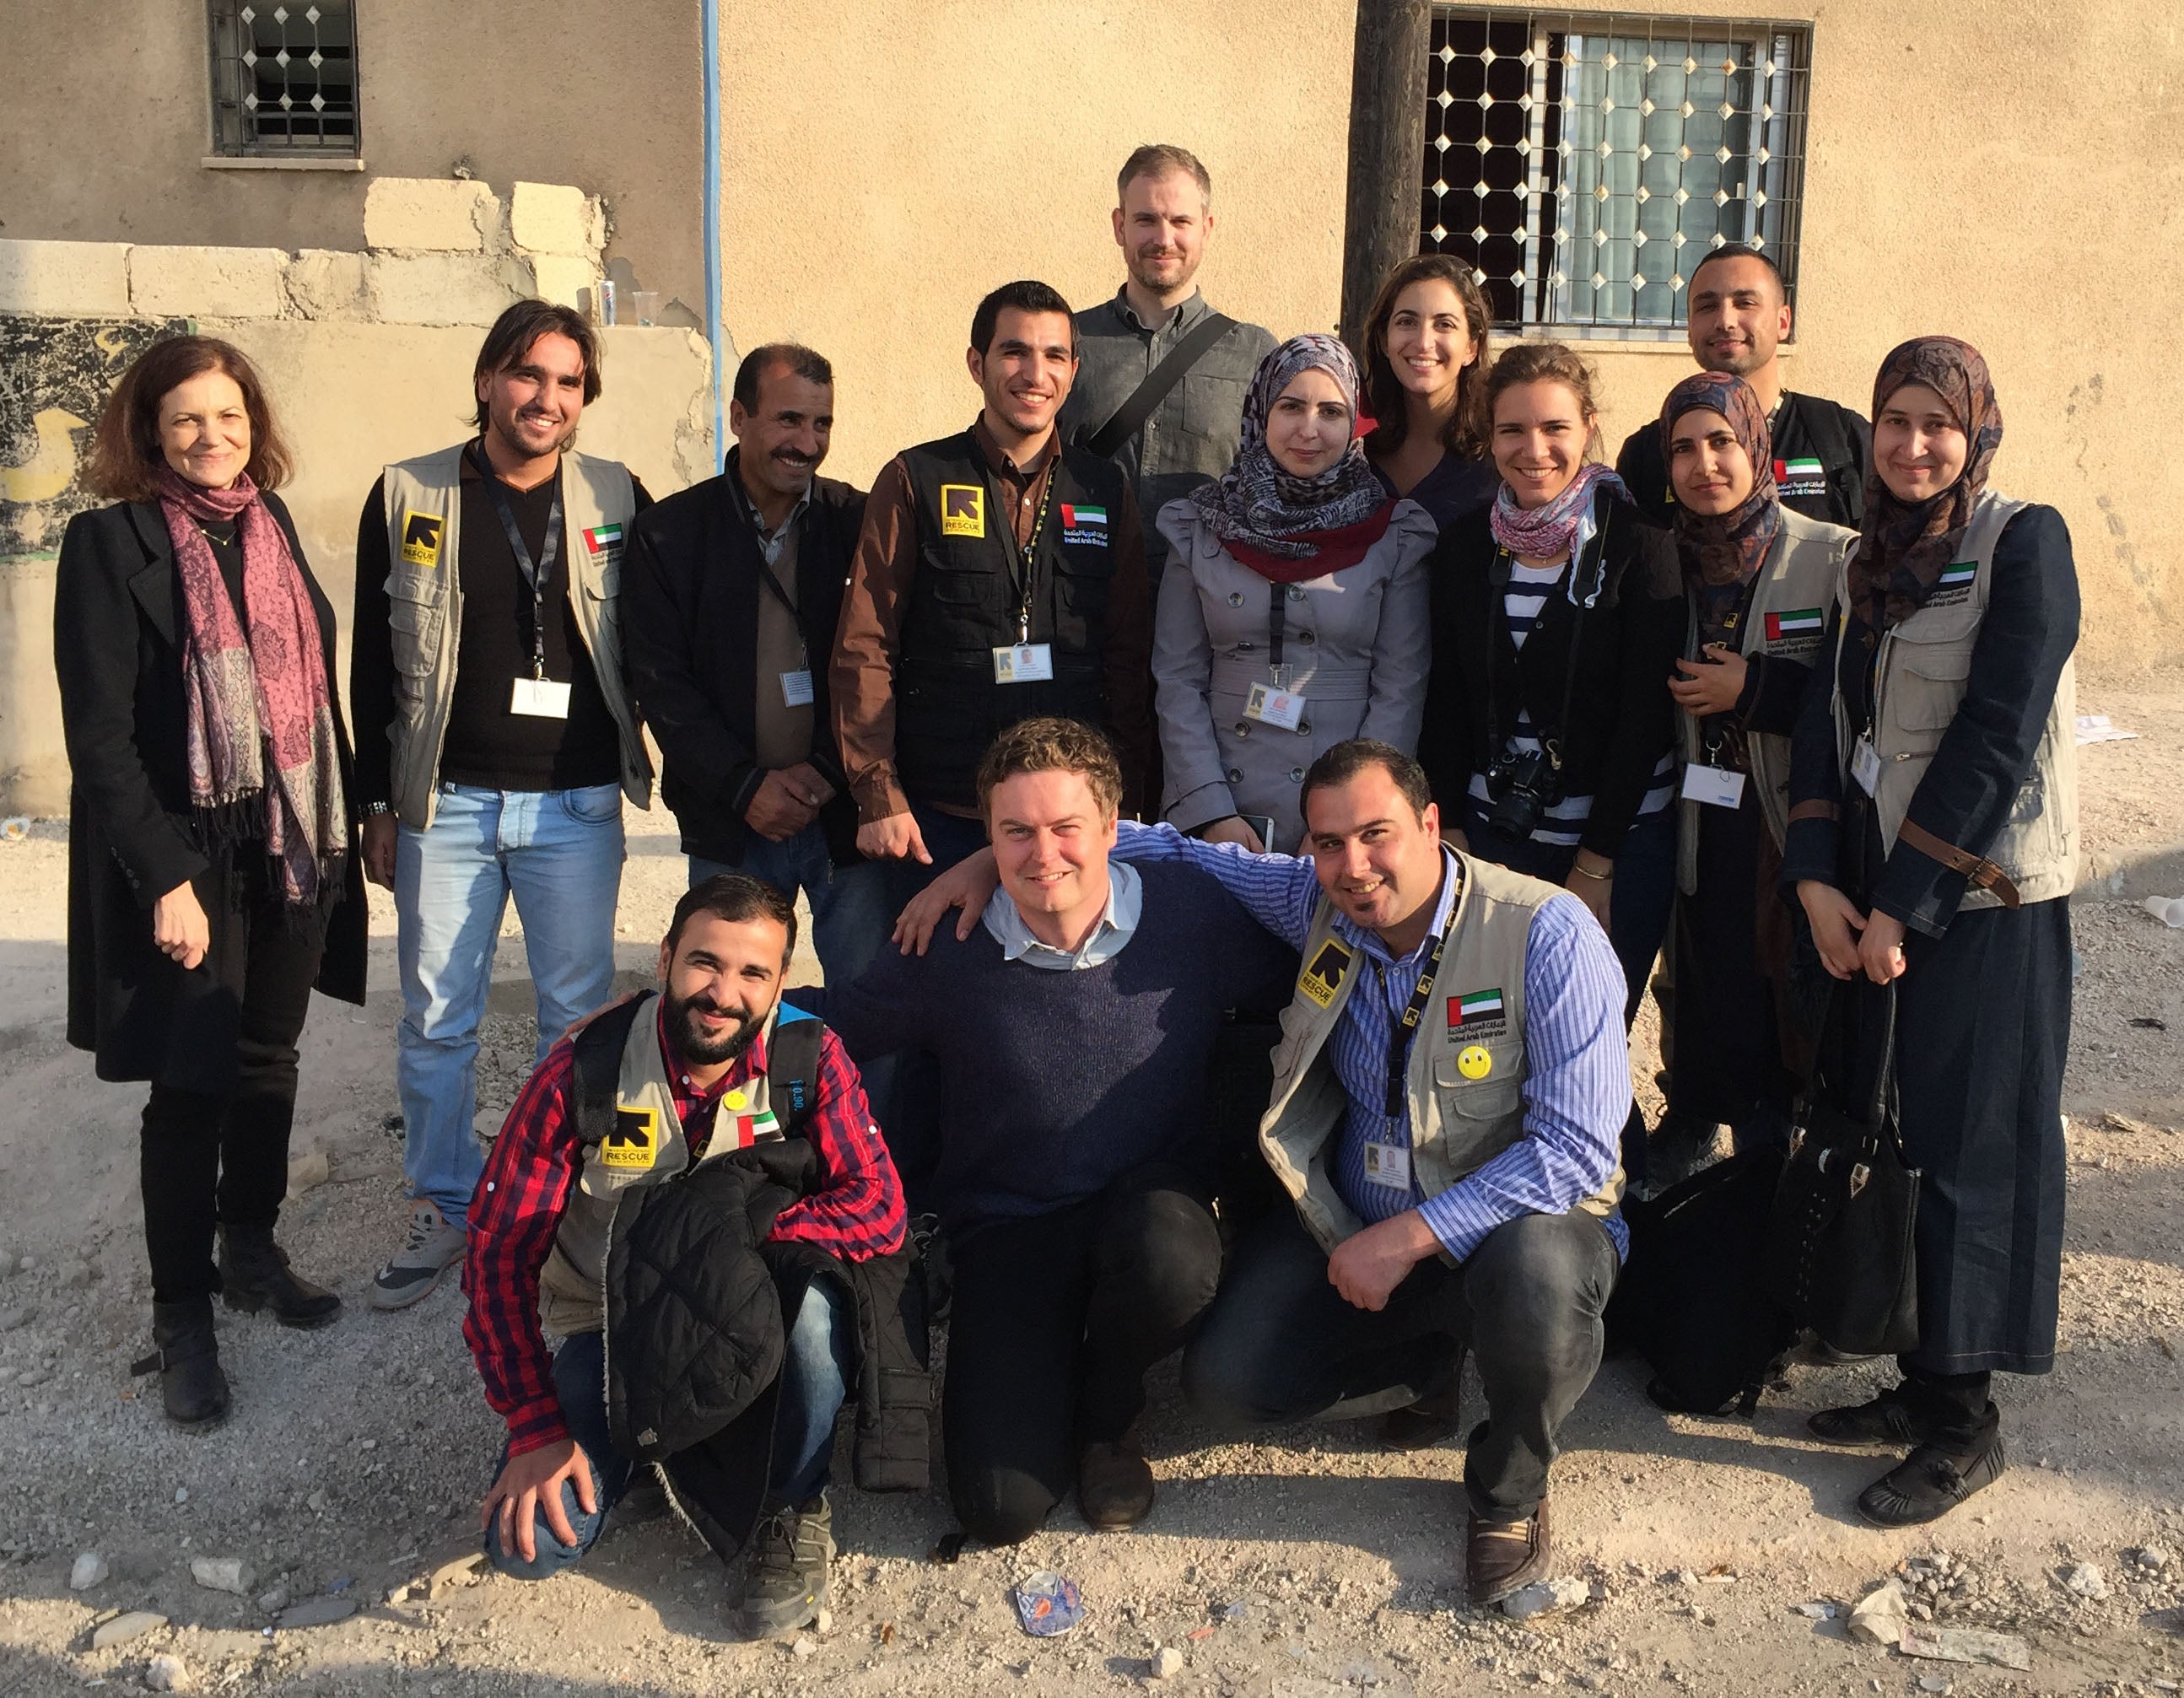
{"type": "Point", "coordinates": [689, 622]}
{"type": "Point", "coordinates": [1621, 713]}
{"type": "Point", "coordinates": [118, 657]}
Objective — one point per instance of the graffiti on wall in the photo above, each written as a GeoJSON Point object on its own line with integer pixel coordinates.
{"type": "Point", "coordinates": [55, 374]}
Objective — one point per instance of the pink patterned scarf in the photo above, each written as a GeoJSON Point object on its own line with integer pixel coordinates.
{"type": "Point", "coordinates": [259, 699]}
{"type": "Point", "coordinates": [1540, 533]}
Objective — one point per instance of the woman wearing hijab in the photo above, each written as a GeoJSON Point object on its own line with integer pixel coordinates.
{"type": "Point", "coordinates": [1556, 616]}
{"type": "Point", "coordinates": [213, 874]}
{"type": "Point", "coordinates": [1932, 836]}
{"type": "Point", "coordinates": [1759, 579]}
{"type": "Point", "coordinates": [1300, 619]}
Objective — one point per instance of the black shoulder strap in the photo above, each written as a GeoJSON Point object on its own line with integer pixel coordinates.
{"type": "Point", "coordinates": [598, 1066]}
{"type": "Point", "coordinates": [1129, 418]}
{"type": "Point", "coordinates": [792, 1071]}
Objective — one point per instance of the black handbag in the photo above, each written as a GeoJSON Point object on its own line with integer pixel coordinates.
{"type": "Point", "coordinates": [1841, 1257]}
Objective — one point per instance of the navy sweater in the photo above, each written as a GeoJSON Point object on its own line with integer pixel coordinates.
{"type": "Point", "coordinates": [1059, 1083]}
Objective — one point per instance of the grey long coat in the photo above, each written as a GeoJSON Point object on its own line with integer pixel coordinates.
{"type": "Point", "coordinates": [1355, 641]}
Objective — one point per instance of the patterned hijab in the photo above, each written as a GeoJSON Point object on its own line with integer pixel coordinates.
{"type": "Point", "coordinates": [1904, 546]}
{"type": "Point", "coordinates": [1286, 527]}
{"type": "Point", "coordinates": [1722, 553]}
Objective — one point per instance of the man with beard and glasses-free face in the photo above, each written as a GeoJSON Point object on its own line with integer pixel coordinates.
{"type": "Point", "coordinates": [698, 1080]}
{"type": "Point", "coordinates": [1192, 415]}
{"type": "Point", "coordinates": [729, 605]}
{"type": "Point", "coordinates": [495, 739]}
{"type": "Point", "coordinates": [1738, 316]}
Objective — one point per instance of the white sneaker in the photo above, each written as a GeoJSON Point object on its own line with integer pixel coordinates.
{"type": "Point", "coordinates": [434, 1247]}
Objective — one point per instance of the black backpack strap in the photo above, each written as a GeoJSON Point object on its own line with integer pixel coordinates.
{"type": "Point", "coordinates": [1823, 422]}
{"type": "Point", "coordinates": [792, 1068]}
{"type": "Point", "coordinates": [1129, 418]}
{"type": "Point", "coordinates": [597, 1073]}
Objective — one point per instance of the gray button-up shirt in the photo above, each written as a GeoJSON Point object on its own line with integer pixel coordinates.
{"type": "Point", "coordinates": [1191, 436]}
{"type": "Point", "coordinates": [1005, 923]}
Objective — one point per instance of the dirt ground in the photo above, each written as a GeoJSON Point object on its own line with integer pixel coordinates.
{"type": "Point", "coordinates": [1312, 1563]}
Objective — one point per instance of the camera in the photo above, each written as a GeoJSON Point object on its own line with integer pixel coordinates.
{"type": "Point", "coordinates": [1522, 787]}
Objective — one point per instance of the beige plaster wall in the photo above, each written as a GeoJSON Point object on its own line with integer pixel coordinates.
{"type": "Point", "coordinates": [2007, 172]}
{"type": "Point", "coordinates": [905, 159]}
{"type": "Point", "coordinates": [602, 95]}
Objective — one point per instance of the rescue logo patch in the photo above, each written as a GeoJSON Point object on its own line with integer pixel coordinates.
{"type": "Point", "coordinates": [1320, 979]}
{"type": "Point", "coordinates": [600, 539]}
{"type": "Point", "coordinates": [1477, 1011]}
{"type": "Point", "coordinates": [1084, 525]}
{"type": "Point", "coordinates": [633, 1145]}
{"type": "Point", "coordinates": [421, 537]}
{"type": "Point", "coordinates": [962, 511]}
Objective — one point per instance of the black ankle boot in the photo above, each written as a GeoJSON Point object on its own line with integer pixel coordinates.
{"type": "Point", "coordinates": [254, 1274]}
{"type": "Point", "coordinates": [187, 1361]}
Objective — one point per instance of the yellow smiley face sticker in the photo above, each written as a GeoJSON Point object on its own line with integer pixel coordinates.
{"type": "Point", "coordinates": [738, 1101]}
{"type": "Point", "coordinates": [1473, 1062]}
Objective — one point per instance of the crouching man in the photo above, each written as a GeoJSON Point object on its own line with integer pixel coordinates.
{"type": "Point", "coordinates": [691, 1192]}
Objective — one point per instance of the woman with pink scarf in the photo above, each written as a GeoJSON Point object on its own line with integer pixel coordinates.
{"type": "Point", "coordinates": [213, 875]}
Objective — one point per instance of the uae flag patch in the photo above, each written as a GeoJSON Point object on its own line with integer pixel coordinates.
{"type": "Point", "coordinates": [1800, 621]}
{"type": "Point", "coordinates": [1080, 524]}
{"type": "Point", "coordinates": [1476, 1008]}
{"type": "Point", "coordinates": [601, 538]}
{"type": "Point", "coordinates": [1957, 572]}
{"type": "Point", "coordinates": [1786, 470]}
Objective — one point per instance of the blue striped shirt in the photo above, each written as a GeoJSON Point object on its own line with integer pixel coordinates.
{"type": "Point", "coordinates": [1577, 1084]}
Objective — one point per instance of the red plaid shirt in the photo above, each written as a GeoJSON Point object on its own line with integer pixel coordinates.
{"type": "Point", "coordinates": [522, 1195]}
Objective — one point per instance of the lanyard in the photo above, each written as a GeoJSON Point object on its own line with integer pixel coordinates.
{"type": "Point", "coordinates": [1023, 560]}
{"type": "Point", "coordinates": [766, 577]}
{"type": "Point", "coordinates": [1276, 630]}
{"type": "Point", "coordinates": [537, 573]}
{"type": "Point", "coordinates": [1401, 1036]}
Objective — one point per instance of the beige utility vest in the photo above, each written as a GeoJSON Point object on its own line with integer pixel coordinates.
{"type": "Point", "coordinates": [1467, 1065]}
{"type": "Point", "coordinates": [1792, 601]}
{"type": "Point", "coordinates": [648, 1148]}
{"type": "Point", "coordinates": [424, 542]}
{"type": "Point", "coordinates": [1919, 683]}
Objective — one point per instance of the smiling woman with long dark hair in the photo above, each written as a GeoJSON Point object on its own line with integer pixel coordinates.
{"type": "Point", "coordinates": [213, 875]}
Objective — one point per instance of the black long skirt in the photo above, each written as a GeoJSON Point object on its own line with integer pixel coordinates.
{"type": "Point", "coordinates": [1983, 1031]}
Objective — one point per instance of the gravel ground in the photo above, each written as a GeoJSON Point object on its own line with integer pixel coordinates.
{"type": "Point", "coordinates": [1705, 1556]}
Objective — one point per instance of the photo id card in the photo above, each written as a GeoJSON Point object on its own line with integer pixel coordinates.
{"type": "Point", "coordinates": [1025, 663]}
{"type": "Point", "coordinates": [1866, 765]}
{"type": "Point", "coordinates": [796, 689]}
{"type": "Point", "coordinates": [539, 698]}
{"type": "Point", "coordinates": [1715, 786]}
{"type": "Point", "coordinates": [1389, 1165]}
{"type": "Point", "coordinates": [1269, 706]}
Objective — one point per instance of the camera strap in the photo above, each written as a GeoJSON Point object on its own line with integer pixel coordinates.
{"type": "Point", "coordinates": [1497, 582]}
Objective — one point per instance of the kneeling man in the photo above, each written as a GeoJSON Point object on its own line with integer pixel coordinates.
{"type": "Point", "coordinates": [691, 1192]}
{"type": "Point", "coordinates": [1448, 1095]}
{"type": "Point", "coordinates": [1074, 1020]}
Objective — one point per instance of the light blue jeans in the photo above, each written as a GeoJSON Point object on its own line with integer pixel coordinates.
{"type": "Point", "coordinates": [559, 854]}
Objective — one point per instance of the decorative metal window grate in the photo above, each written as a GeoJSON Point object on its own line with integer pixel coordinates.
{"type": "Point", "coordinates": [283, 77]}
{"type": "Point", "coordinates": [1583, 163]}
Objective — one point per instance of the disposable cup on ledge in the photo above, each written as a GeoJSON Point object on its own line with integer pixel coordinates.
{"type": "Point", "coordinates": [644, 304]}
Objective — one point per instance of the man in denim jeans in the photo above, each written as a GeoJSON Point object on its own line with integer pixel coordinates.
{"type": "Point", "coordinates": [496, 738]}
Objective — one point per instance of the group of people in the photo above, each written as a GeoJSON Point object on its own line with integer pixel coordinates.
{"type": "Point", "coordinates": [1323, 746]}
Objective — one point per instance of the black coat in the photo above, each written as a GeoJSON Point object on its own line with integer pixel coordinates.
{"type": "Point", "coordinates": [689, 622]}
{"type": "Point", "coordinates": [118, 655]}
{"type": "Point", "coordinates": [1621, 716]}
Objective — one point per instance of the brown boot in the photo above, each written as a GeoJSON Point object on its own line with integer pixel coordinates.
{"type": "Point", "coordinates": [1431, 1420]}
{"type": "Point", "coordinates": [1114, 1483]}
{"type": "Point", "coordinates": [1501, 1557]}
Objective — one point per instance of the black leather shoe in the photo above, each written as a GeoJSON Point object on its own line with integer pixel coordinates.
{"type": "Point", "coordinates": [1934, 1479]}
{"type": "Point", "coordinates": [1432, 1419]}
{"type": "Point", "coordinates": [254, 1274]}
{"type": "Point", "coordinates": [187, 1362]}
{"type": "Point", "coordinates": [1890, 1420]}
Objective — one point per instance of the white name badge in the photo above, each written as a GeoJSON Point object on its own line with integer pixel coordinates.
{"type": "Point", "coordinates": [1389, 1165]}
{"type": "Point", "coordinates": [1026, 663]}
{"type": "Point", "coordinates": [1866, 765]}
{"type": "Point", "coordinates": [1715, 786]}
{"type": "Point", "coordinates": [539, 698]}
{"type": "Point", "coordinates": [796, 689]}
{"type": "Point", "coordinates": [1271, 706]}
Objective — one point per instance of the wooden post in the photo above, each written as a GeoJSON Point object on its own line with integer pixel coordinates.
{"type": "Point", "coordinates": [1387, 148]}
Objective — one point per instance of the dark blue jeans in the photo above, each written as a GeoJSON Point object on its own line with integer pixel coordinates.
{"type": "Point", "coordinates": [814, 1382]}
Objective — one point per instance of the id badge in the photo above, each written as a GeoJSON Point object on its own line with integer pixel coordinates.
{"type": "Point", "coordinates": [796, 689]}
{"type": "Point", "coordinates": [1866, 765]}
{"type": "Point", "coordinates": [1025, 663]}
{"type": "Point", "coordinates": [1717, 786]}
{"type": "Point", "coordinates": [1389, 1165]}
{"type": "Point", "coordinates": [1270, 706]}
{"type": "Point", "coordinates": [539, 698]}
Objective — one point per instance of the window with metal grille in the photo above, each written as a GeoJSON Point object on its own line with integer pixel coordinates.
{"type": "Point", "coordinates": [283, 77]}
{"type": "Point", "coordinates": [1583, 163]}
